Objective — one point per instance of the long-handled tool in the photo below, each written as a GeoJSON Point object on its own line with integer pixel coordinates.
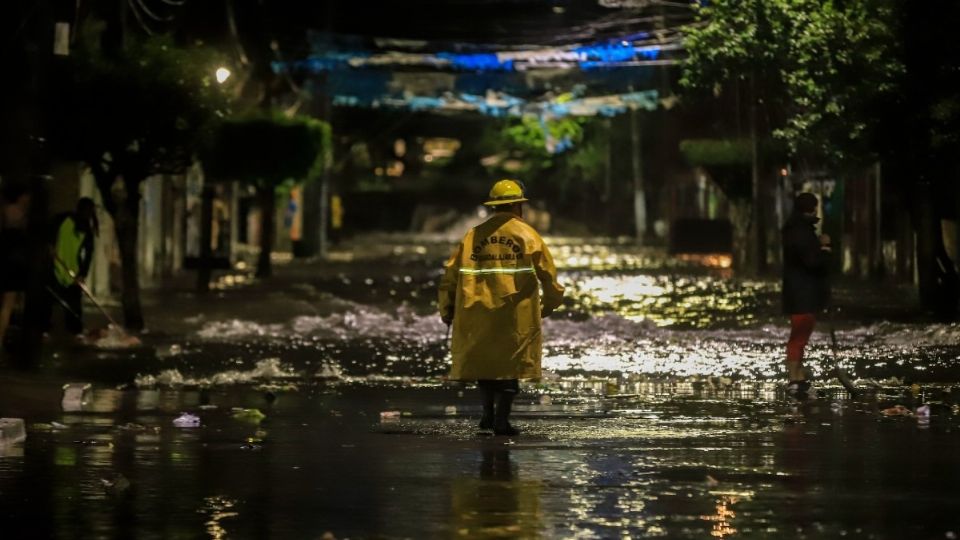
{"type": "Point", "coordinates": [63, 303]}
{"type": "Point", "coordinates": [835, 369]}
{"type": "Point", "coordinates": [87, 292]}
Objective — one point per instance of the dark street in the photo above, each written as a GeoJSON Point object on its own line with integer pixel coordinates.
{"type": "Point", "coordinates": [647, 425]}
{"type": "Point", "coordinates": [554, 269]}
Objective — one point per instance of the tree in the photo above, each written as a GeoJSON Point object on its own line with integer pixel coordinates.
{"type": "Point", "coordinates": [132, 113]}
{"type": "Point", "coordinates": [267, 151]}
{"type": "Point", "coordinates": [814, 72]}
{"type": "Point", "coordinates": [921, 143]}
{"type": "Point", "coordinates": [849, 83]}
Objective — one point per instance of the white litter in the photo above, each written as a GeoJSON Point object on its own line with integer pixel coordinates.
{"type": "Point", "coordinates": [73, 394]}
{"type": "Point", "coordinates": [388, 416]}
{"type": "Point", "coordinates": [12, 431]}
{"type": "Point", "coordinates": [187, 420]}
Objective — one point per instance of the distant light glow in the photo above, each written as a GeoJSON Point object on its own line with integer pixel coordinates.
{"type": "Point", "coordinates": [222, 75]}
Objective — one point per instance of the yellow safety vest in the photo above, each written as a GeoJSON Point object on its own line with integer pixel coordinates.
{"type": "Point", "coordinates": [69, 244]}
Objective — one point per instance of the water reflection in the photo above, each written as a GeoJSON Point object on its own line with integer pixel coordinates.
{"type": "Point", "coordinates": [498, 503]}
{"type": "Point", "coordinates": [218, 509]}
{"type": "Point", "coordinates": [685, 300]}
{"type": "Point", "coordinates": [660, 379]}
{"type": "Point", "coordinates": [721, 521]}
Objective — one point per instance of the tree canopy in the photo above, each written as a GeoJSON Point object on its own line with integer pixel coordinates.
{"type": "Point", "coordinates": [267, 150]}
{"type": "Point", "coordinates": [141, 110]}
{"type": "Point", "coordinates": [820, 69]}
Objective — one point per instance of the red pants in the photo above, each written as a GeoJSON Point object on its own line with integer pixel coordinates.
{"type": "Point", "coordinates": [801, 326]}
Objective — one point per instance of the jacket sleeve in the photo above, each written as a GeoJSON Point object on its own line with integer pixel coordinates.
{"type": "Point", "coordinates": [446, 303]}
{"type": "Point", "coordinates": [85, 257]}
{"type": "Point", "coordinates": [547, 274]}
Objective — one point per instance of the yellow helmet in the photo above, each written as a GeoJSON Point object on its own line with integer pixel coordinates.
{"type": "Point", "coordinates": [506, 192]}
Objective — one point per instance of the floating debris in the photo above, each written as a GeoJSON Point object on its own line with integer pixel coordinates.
{"type": "Point", "coordinates": [12, 431]}
{"type": "Point", "coordinates": [115, 486]}
{"type": "Point", "coordinates": [896, 410]}
{"type": "Point", "coordinates": [187, 420]}
{"type": "Point", "coordinates": [73, 396]}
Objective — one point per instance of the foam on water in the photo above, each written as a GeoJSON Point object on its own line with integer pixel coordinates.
{"type": "Point", "coordinates": [268, 369]}
{"type": "Point", "coordinates": [356, 321]}
{"type": "Point", "coordinates": [906, 335]}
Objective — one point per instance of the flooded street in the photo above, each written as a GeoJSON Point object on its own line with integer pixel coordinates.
{"type": "Point", "coordinates": [324, 413]}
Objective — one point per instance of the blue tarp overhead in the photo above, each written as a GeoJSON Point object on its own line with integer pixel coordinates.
{"type": "Point", "coordinates": [605, 78]}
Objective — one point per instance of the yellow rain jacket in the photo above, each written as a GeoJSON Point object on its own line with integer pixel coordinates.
{"type": "Point", "coordinates": [491, 287]}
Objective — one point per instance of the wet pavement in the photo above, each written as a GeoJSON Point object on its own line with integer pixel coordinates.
{"type": "Point", "coordinates": [661, 415]}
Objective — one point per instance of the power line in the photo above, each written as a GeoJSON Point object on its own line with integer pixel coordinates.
{"type": "Point", "coordinates": [139, 18]}
{"type": "Point", "coordinates": [151, 14]}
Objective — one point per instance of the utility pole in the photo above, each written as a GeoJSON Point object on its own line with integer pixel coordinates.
{"type": "Point", "coordinates": [323, 244]}
{"type": "Point", "coordinates": [639, 197]}
{"type": "Point", "coordinates": [758, 221]}
{"type": "Point", "coordinates": [877, 267]}
{"type": "Point", "coordinates": [607, 171]}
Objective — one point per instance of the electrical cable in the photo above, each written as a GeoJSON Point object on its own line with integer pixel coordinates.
{"type": "Point", "coordinates": [151, 14]}
{"type": "Point", "coordinates": [139, 18]}
{"type": "Point", "coordinates": [234, 33]}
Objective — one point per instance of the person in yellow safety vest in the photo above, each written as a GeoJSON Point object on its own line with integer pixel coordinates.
{"type": "Point", "coordinates": [490, 293]}
{"type": "Point", "coordinates": [336, 218]}
{"type": "Point", "coordinates": [73, 251]}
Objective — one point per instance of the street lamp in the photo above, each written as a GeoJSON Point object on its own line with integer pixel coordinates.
{"type": "Point", "coordinates": [222, 74]}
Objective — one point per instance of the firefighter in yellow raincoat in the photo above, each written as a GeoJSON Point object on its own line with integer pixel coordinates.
{"type": "Point", "coordinates": [490, 293]}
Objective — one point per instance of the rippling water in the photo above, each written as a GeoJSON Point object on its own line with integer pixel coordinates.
{"type": "Point", "coordinates": [627, 311]}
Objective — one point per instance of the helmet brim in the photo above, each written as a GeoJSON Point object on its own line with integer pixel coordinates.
{"type": "Point", "coordinates": [501, 202]}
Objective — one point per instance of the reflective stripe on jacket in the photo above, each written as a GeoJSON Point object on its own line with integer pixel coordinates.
{"type": "Point", "coordinates": [491, 286]}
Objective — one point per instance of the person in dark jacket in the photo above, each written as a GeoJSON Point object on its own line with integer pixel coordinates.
{"type": "Point", "coordinates": [14, 253]}
{"type": "Point", "coordinates": [806, 289]}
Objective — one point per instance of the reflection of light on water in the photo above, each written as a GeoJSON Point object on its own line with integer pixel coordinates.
{"type": "Point", "coordinates": [648, 358]}
{"type": "Point", "coordinates": [711, 260]}
{"type": "Point", "coordinates": [219, 510]}
{"type": "Point", "coordinates": [700, 301]}
{"type": "Point", "coordinates": [617, 289]}
{"type": "Point", "coordinates": [104, 400]}
{"type": "Point", "coordinates": [722, 518]}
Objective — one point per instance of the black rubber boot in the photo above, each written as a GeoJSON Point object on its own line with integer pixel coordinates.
{"type": "Point", "coordinates": [486, 421]}
{"type": "Point", "coordinates": [501, 425]}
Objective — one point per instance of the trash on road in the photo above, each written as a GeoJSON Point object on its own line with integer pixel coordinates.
{"type": "Point", "coordinates": [254, 416]}
{"type": "Point", "coordinates": [73, 396]}
{"type": "Point", "coordinates": [12, 431]}
{"type": "Point", "coordinates": [45, 426]}
{"type": "Point", "coordinates": [116, 485]}
{"type": "Point", "coordinates": [111, 337]}
{"type": "Point", "coordinates": [187, 420]}
{"type": "Point", "coordinates": [896, 410]}
{"type": "Point", "coordinates": [450, 410]}
{"type": "Point", "coordinates": [389, 416]}
{"type": "Point", "coordinates": [923, 411]}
